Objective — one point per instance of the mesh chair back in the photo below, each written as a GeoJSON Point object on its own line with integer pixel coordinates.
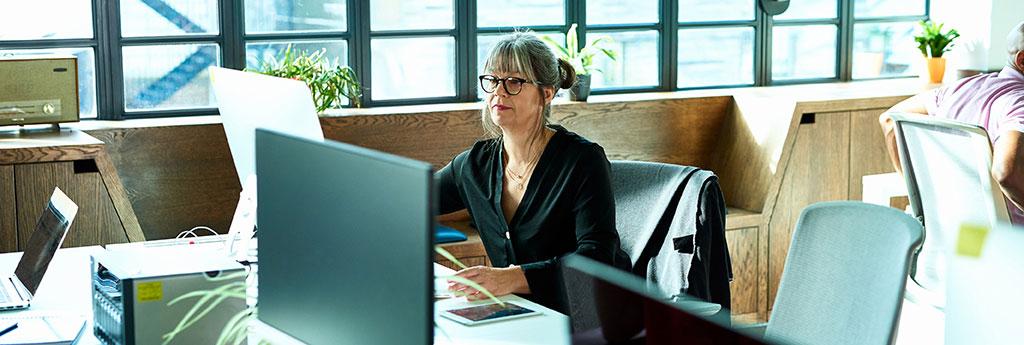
{"type": "Point", "coordinates": [947, 166]}
{"type": "Point", "coordinates": [844, 278]}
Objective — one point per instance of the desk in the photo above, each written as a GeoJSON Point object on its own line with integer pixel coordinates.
{"type": "Point", "coordinates": [67, 288]}
{"type": "Point", "coordinates": [550, 328]}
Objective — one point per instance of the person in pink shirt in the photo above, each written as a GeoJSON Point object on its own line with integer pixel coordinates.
{"type": "Point", "coordinates": [994, 101]}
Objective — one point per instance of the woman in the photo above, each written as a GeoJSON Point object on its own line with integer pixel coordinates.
{"type": "Point", "coordinates": [536, 192]}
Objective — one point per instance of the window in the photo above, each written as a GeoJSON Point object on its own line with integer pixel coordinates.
{"type": "Point", "coordinates": [139, 58]}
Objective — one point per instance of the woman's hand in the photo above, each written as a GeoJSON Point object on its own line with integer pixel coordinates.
{"type": "Point", "coordinates": [497, 281]}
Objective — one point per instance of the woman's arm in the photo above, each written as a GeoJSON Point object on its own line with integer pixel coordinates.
{"type": "Point", "coordinates": [448, 197]}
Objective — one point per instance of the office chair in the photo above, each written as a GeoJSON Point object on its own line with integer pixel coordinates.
{"type": "Point", "coordinates": [650, 199]}
{"type": "Point", "coordinates": [947, 167]}
{"type": "Point", "coordinates": [845, 275]}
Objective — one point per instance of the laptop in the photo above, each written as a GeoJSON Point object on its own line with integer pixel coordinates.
{"type": "Point", "coordinates": [609, 306]}
{"type": "Point", "coordinates": [16, 291]}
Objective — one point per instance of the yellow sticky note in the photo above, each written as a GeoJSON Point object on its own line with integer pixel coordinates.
{"type": "Point", "coordinates": [152, 291]}
{"type": "Point", "coordinates": [971, 240]}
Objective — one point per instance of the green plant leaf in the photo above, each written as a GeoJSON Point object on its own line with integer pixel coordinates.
{"type": "Point", "coordinates": [571, 41]}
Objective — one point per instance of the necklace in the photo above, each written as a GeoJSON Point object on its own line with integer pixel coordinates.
{"type": "Point", "coordinates": [520, 178]}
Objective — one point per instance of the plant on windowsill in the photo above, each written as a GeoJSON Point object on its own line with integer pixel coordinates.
{"type": "Point", "coordinates": [582, 60]}
{"type": "Point", "coordinates": [933, 43]}
{"type": "Point", "coordinates": [236, 329]}
{"type": "Point", "coordinates": [330, 82]}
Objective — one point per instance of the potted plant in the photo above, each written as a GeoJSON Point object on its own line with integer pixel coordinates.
{"type": "Point", "coordinates": [329, 82]}
{"type": "Point", "coordinates": [581, 59]}
{"type": "Point", "coordinates": [933, 43]}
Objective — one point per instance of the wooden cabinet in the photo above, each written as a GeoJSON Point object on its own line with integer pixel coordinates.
{"type": "Point", "coordinates": [32, 165]}
{"type": "Point", "coordinates": [832, 152]}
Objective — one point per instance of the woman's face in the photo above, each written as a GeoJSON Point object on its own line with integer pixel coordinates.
{"type": "Point", "coordinates": [521, 110]}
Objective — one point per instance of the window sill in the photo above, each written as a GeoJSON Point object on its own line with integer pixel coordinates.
{"type": "Point", "coordinates": [797, 93]}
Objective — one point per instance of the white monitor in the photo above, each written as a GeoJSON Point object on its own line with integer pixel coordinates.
{"type": "Point", "coordinates": [249, 100]}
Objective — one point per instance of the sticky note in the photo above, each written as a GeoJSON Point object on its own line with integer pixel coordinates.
{"type": "Point", "coordinates": [151, 291]}
{"type": "Point", "coordinates": [971, 240]}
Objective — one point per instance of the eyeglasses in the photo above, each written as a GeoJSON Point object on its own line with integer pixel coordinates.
{"type": "Point", "coordinates": [513, 86]}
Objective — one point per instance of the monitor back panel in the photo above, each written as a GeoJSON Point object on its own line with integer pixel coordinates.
{"type": "Point", "coordinates": [345, 242]}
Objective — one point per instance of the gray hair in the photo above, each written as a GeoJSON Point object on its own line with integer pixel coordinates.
{"type": "Point", "coordinates": [1015, 44]}
{"type": "Point", "coordinates": [522, 52]}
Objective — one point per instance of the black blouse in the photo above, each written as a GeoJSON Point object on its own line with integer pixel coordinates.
{"type": "Point", "coordinates": [567, 207]}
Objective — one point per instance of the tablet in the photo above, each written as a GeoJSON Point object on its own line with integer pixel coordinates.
{"type": "Point", "coordinates": [488, 313]}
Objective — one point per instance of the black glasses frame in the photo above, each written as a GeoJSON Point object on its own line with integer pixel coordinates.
{"type": "Point", "coordinates": [503, 83]}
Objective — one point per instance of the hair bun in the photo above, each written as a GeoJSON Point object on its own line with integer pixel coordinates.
{"type": "Point", "coordinates": [568, 74]}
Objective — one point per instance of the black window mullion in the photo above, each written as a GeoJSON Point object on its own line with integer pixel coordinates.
{"type": "Point", "coordinates": [669, 44]}
{"type": "Point", "coordinates": [232, 29]}
{"type": "Point", "coordinates": [844, 60]}
{"type": "Point", "coordinates": [576, 12]}
{"type": "Point", "coordinates": [359, 46]}
{"type": "Point", "coordinates": [465, 55]}
{"type": "Point", "coordinates": [110, 44]}
{"type": "Point", "coordinates": [762, 53]}
{"type": "Point", "coordinates": [303, 36]}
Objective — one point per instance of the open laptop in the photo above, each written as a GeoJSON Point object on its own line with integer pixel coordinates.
{"type": "Point", "coordinates": [16, 291]}
{"type": "Point", "coordinates": [609, 306]}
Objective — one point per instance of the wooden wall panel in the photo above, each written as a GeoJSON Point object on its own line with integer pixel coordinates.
{"type": "Point", "coordinates": [868, 155]}
{"type": "Point", "coordinates": [743, 252]}
{"type": "Point", "coordinates": [96, 221]}
{"type": "Point", "coordinates": [818, 170]}
{"type": "Point", "coordinates": [8, 215]}
{"type": "Point", "coordinates": [176, 177]}
{"type": "Point", "coordinates": [431, 137]}
{"type": "Point", "coordinates": [678, 131]}
{"type": "Point", "coordinates": [749, 148]}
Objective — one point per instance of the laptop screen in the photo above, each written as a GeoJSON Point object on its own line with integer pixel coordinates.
{"type": "Point", "coordinates": [50, 230]}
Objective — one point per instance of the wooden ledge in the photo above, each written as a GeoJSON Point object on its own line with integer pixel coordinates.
{"type": "Point", "coordinates": [738, 218]}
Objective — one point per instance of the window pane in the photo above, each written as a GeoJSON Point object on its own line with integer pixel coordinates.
{"type": "Point", "coordinates": [168, 18]}
{"type": "Point", "coordinates": [86, 74]}
{"type": "Point", "coordinates": [883, 8]}
{"type": "Point", "coordinates": [411, 15]}
{"type": "Point", "coordinates": [264, 16]}
{"type": "Point", "coordinates": [804, 52]}
{"type": "Point", "coordinates": [256, 53]}
{"type": "Point", "coordinates": [520, 13]}
{"type": "Point", "coordinates": [730, 63]}
{"type": "Point", "coordinates": [884, 49]}
{"type": "Point", "coordinates": [715, 10]}
{"type": "Point", "coordinates": [485, 43]}
{"type": "Point", "coordinates": [430, 72]}
{"type": "Point", "coordinates": [810, 9]}
{"type": "Point", "coordinates": [169, 76]}
{"type": "Point", "coordinates": [22, 20]}
{"type": "Point", "coordinates": [637, 63]}
{"type": "Point", "coordinates": [622, 12]}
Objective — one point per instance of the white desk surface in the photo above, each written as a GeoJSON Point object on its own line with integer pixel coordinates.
{"type": "Point", "coordinates": [67, 289]}
{"type": "Point", "coordinates": [551, 327]}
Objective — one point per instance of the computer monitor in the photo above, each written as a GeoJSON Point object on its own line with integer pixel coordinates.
{"type": "Point", "coordinates": [249, 100]}
{"type": "Point", "coordinates": [611, 306]}
{"type": "Point", "coordinates": [345, 252]}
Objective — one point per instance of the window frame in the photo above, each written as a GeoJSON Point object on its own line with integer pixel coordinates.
{"type": "Point", "coordinates": [108, 45]}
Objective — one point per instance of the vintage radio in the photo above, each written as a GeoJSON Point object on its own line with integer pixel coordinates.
{"type": "Point", "coordinates": [38, 89]}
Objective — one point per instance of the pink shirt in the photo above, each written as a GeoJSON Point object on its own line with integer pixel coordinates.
{"type": "Point", "coordinates": [994, 101]}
